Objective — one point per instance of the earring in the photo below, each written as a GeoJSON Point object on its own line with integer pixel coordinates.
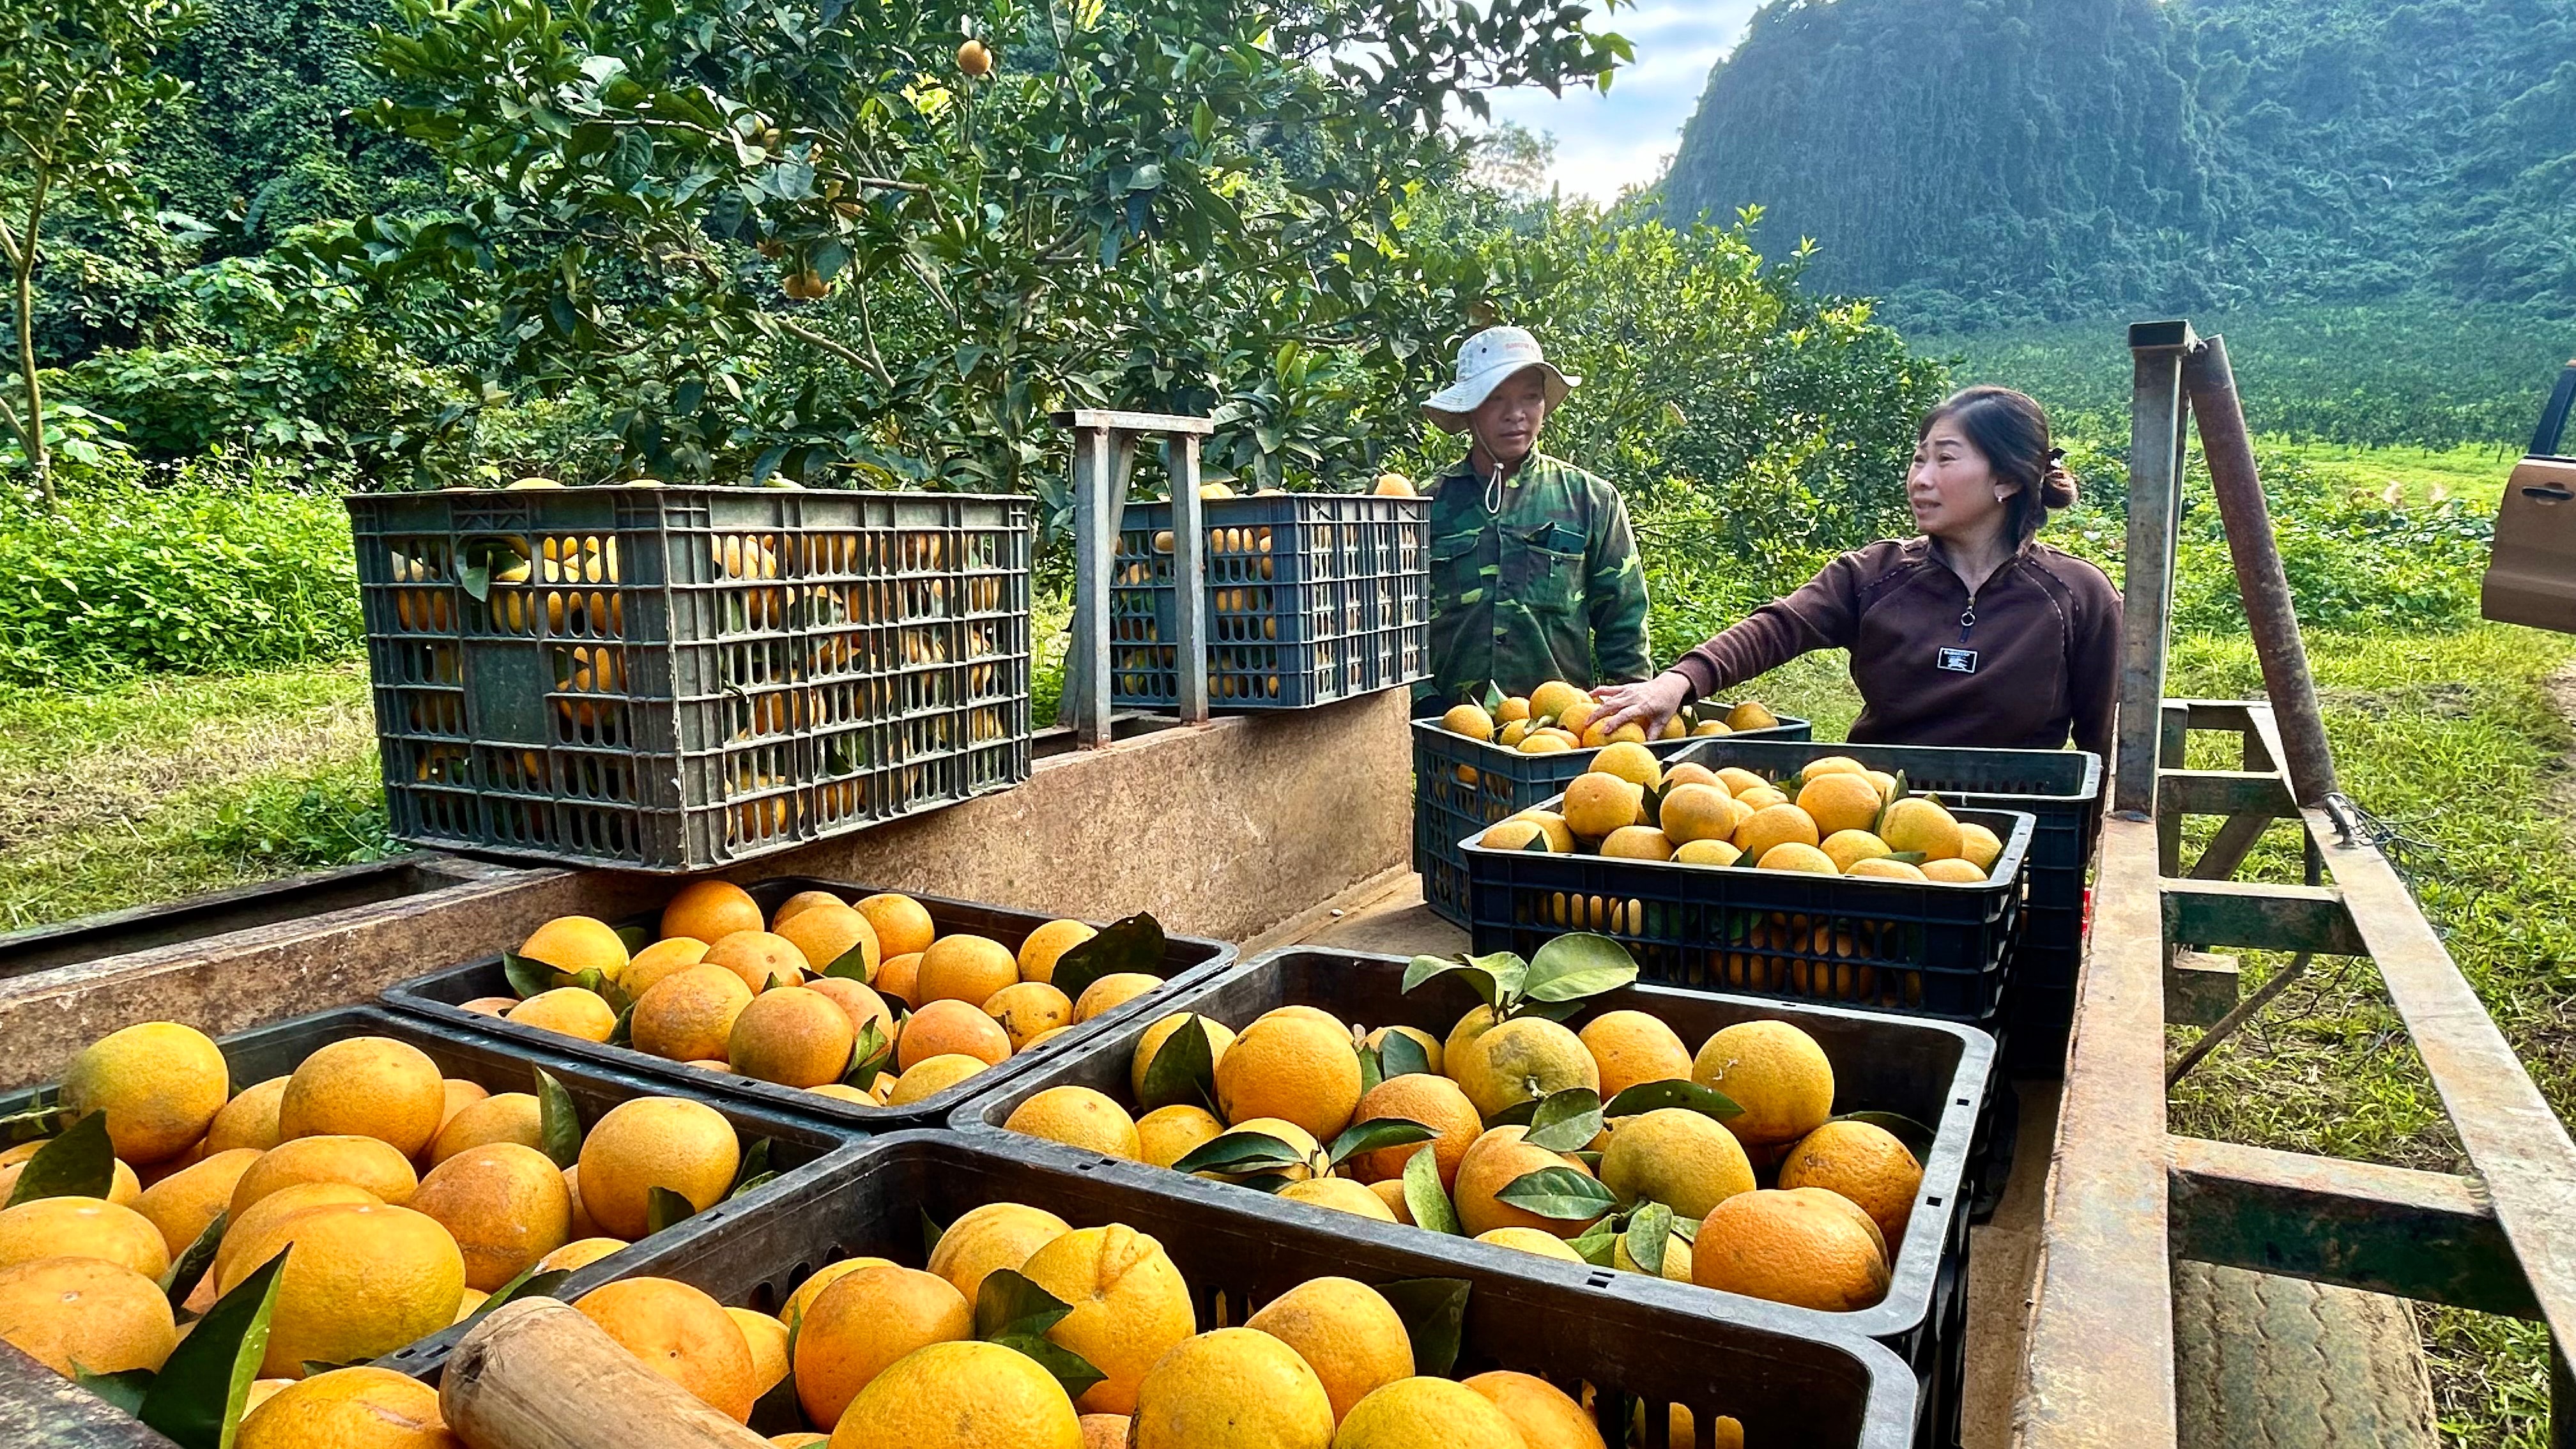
{"type": "Point", "coordinates": [2002, 497]}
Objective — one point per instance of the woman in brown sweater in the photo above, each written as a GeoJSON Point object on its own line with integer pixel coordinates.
{"type": "Point", "coordinates": [1972, 633]}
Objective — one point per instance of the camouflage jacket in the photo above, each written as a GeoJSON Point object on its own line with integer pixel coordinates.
{"type": "Point", "coordinates": [1549, 588]}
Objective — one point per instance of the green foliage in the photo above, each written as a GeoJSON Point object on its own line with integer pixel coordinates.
{"type": "Point", "coordinates": [212, 567]}
{"type": "Point", "coordinates": [2417, 369]}
{"type": "Point", "coordinates": [289, 824]}
{"type": "Point", "coordinates": [1993, 162]}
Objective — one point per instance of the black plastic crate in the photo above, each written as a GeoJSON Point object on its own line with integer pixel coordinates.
{"type": "Point", "coordinates": [1785, 1383]}
{"type": "Point", "coordinates": [675, 679]}
{"type": "Point", "coordinates": [1460, 786]}
{"type": "Point", "coordinates": [799, 1149]}
{"type": "Point", "coordinates": [1934, 1072]}
{"type": "Point", "coordinates": [440, 996]}
{"type": "Point", "coordinates": [2061, 790]}
{"type": "Point", "coordinates": [1312, 597]}
{"type": "Point", "coordinates": [1929, 948]}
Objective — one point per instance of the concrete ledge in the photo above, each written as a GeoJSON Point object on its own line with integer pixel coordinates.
{"type": "Point", "coordinates": [1223, 831]}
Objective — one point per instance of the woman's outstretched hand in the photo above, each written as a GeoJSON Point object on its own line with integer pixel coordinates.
{"type": "Point", "coordinates": [1650, 705]}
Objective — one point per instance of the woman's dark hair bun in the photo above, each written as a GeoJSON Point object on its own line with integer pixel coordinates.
{"type": "Point", "coordinates": [2058, 489]}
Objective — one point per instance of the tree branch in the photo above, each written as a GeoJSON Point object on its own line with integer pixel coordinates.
{"type": "Point", "coordinates": [802, 333]}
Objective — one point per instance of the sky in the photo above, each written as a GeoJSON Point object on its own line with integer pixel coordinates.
{"type": "Point", "coordinates": [1622, 139]}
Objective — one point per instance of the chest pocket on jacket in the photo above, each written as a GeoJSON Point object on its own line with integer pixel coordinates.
{"type": "Point", "coordinates": [1543, 567]}
{"type": "Point", "coordinates": [1456, 577]}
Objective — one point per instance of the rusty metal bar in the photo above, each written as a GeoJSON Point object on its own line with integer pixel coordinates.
{"type": "Point", "coordinates": [2156, 417]}
{"type": "Point", "coordinates": [2097, 1368]}
{"type": "Point", "coordinates": [1095, 528]}
{"type": "Point", "coordinates": [1189, 580]}
{"type": "Point", "coordinates": [2257, 916]}
{"type": "Point", "coordinates": [2423, 1235]}
{"type": "Point", "coordinates": [2223, 1028]}
{"type": "Point", "coordinates": [2226, 792]}
{"type": "Point", "coordinates": [2514, 1142]}
{"type": "Point", "coordinates": [2227, 849]}
{"type": "Point", "coordinates": [2270, 614]}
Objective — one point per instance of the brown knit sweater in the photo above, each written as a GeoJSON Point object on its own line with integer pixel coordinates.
{"type": "Point", "coordinates": [2045, 646]}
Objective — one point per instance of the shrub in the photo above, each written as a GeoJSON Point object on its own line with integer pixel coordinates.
{"type": "Point", "coordinates": [213, 566]}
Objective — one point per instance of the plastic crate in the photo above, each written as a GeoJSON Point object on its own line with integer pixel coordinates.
{"type": "Point", "coordinates": [1929, 948]}
{"type": "Point", "coordinates": [799, 1149]}
{"type": "Point", "coordinates": [2061, 790]}
{"type": "Point", "coordinates": [686, 677]}
{"type": "Point", "coordinates": [1934, 1072]}
{"type": "Point", "coordinates": [1786, 1385]}
{"type": "Point", "coordinates": [1460, 786]}
{"type": "Point", "coordinates": [440, 997]}
{"type": "Point", "coordinates": [1312, 597]}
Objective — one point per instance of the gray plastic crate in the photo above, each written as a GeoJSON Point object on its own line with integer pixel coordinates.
{"type": "Point", "coordinates": [1312, 597]}
{"type": "Point", "coordinates": [675, 679]}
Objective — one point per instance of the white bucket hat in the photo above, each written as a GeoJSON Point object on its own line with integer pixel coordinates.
{"type": "Point", "coordinates": [1484, 360]}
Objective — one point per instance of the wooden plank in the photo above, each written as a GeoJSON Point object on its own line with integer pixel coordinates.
{"type": "Point", "coordinates": [2423, 1235]}
{"type": "Point", "coordinates": [2097, 1369]}
{"type": "Point", "coordinates": [2254, 916]}
{"type": "Point", "coordinates": [2515, 1143]}
{"type": "Point", "coordinates": [1125, 422]}
{"type": "Point", "coordinates": [40, 1409]}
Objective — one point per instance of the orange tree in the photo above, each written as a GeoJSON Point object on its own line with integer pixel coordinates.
{"type": "Point", "coordinates": [820, 240]}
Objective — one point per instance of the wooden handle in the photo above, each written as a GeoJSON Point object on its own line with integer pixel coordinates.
{"type": "Point", "coordinates": [535, 1374]}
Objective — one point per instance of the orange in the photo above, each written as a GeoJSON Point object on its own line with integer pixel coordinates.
{"type": "Point", "coordinates": [1530, 1240]}
{"type": "Point", "coordinates": [903, 928]}
{"type": "Point", "coordinates": [759, 958]}
{"type": "Point", "coordinates": [361, 1162]}
{"type": "Point", "coordinates": [182, 1204]}
{"type": "Point", "coordinates": [360, 1281]}
{"type": "Point", "coordinates": [862, 1324]}
{"type": "Point", "coordinates": [799, 903]}
{"type": "Point", "coordinates": [578, 1254]}
{"type": "Point", "coordinates": [461, 1094]}
{"type": "Point", "coordinates": [961, 1396]}
{"type": "Point", "coordinates": [1631, 762]}
{"type": "Point", "coordinates": [1111, 992]}
{"type": "Point", "coordinates": [1595, 805]}
{"type": "Point", "coordinates": [1919, 824]}
{"type": "Point", "coordinates": [569, 1010]}
{"type": "Point", "coordinates": [87, 1314]}
{"type": "Point", "coordinates": [1847, 848]}
{"type": "Point", "coordinates": [1553, 698]}
{"type": "Point", "coordinates": [1547, 1416]}
{"type": "Point", "coordinates": [574, 944]}
{"type": "Point", "coordinates": [689, 1014]}
{"type": "Point", "coordinates": [1493, 1162]}
{"type": "Point", "coordinates": [1428, 1411]}
{"type": "Point", "coordinates": [582, 1226]}
{"type": "Point", "coordinates": [1839, 802]}
{"type": "Point", "coordinates": [1078, 1117]}
{"type": "Point", "coordinates": [1701, 812]}
{"type": "Point", "coordinates": [1431, 1051]}
{"type": "Point", "coordinates": [680, 1333]}
{"type": "Point", "coordinates": [1130, 1307]}
{"type": "Point", "coordinates": [931, 1076]}
{"type": "Point", "coordinates": [1775, 825]}
{"type": "Point", "coordinates": [481, 1006]}
{"type": "Point", "coordinates": [1691, 772]}
{"type": "Point", "coordinates": [710, 910]}
{"type": "Point", "coordinates": [652, 1142]}
{"type": "Point", "coordinates": [792, 1036]}
{"type": "Point", "coordinates": [1047, 944]}
{"type": "Point", "coordinates": [859, 1003]}
{"type": "Point", "coordinates": [659, 960]}
{"type": "Point", "coordinates": [1293, 1068]}
{"type": "Point", "coordinates": [1637, 842]}
{"type": "Point", "coordinates": [249, 1119]}
{"type": "Point", "coordinates": [1168, 1134]}
{"type": "Point", "coordinates": [1953, 872]}
{"type": "Point", "coordinates": [1790, 1248]}
{"type": "Point", "coordinates": [964, 968]}
{"type": "Point", "coordinates": [505, 1205]}
{"type": "Point", "coordinates": [1027, 1009]}
{"type": "Point", "coordinates": [1683, 1159]}
{"type": "Point", "coordinates": [1630, 1047]}
{"type": "Point", "coordinates": [766, 1337]}
{"type": "Point", "coordinates": [826, 933]}
{"type": "Point", "coordinates": [1104, 1431]}
{"type": "Point", "coordinates": [1436, 1103]}
{"type": "Point", "coordinates": [350, 1408]}
{"type": "Point", "coordinates": [1864, 1163]}
{"type": "Point", "coordinates": [1775, 1072]}
{"type": "Point", "coordinates": [900, 977]}
{"type": "Point", "coordinates": [1523, 1059]}
{"type": "Point", "coordinates": [794, 1309]}
{"type": "Point", "coordinates": [255, 1229]}
{"type": "Point", "coordinates": [1791, 855]}
{"type": "Point", "coordinates": [1390, 1191]}
{"type": "Point", "coordinates": [1235, 1388]}
{"type": "Point", "coordinates": [1346, 1332]}
{"type": "Point", "coordinates": [365, 1086]}
{"type": "Point", "coordinates": [995, 1236]}
{"type": "Point", "coordinates": [1885, 869]}
{"type": "Point", "coordinates": [950, 1027]}
{"type": "Point", "coordinates": [503, 1117]}
{"type": "Point", "coordinates": [1979, 847]}
{"type": "Point", "coordinates": [161, 1085]}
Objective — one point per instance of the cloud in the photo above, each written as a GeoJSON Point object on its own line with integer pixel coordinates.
{"type": "Point", "coordinates": [1606, 142]}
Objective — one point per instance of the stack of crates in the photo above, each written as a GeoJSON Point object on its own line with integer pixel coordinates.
{"type": "Point", "coordinates": [679, 678]}
{"type": "Point", "coordinates": [1312, 597]}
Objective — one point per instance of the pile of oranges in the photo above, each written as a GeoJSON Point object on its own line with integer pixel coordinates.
{"type": "Point", "coordinates": [862, 1001]}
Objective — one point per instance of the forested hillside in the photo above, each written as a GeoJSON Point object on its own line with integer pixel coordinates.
{"type": "Point", "coordinates": [1997, 161]}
